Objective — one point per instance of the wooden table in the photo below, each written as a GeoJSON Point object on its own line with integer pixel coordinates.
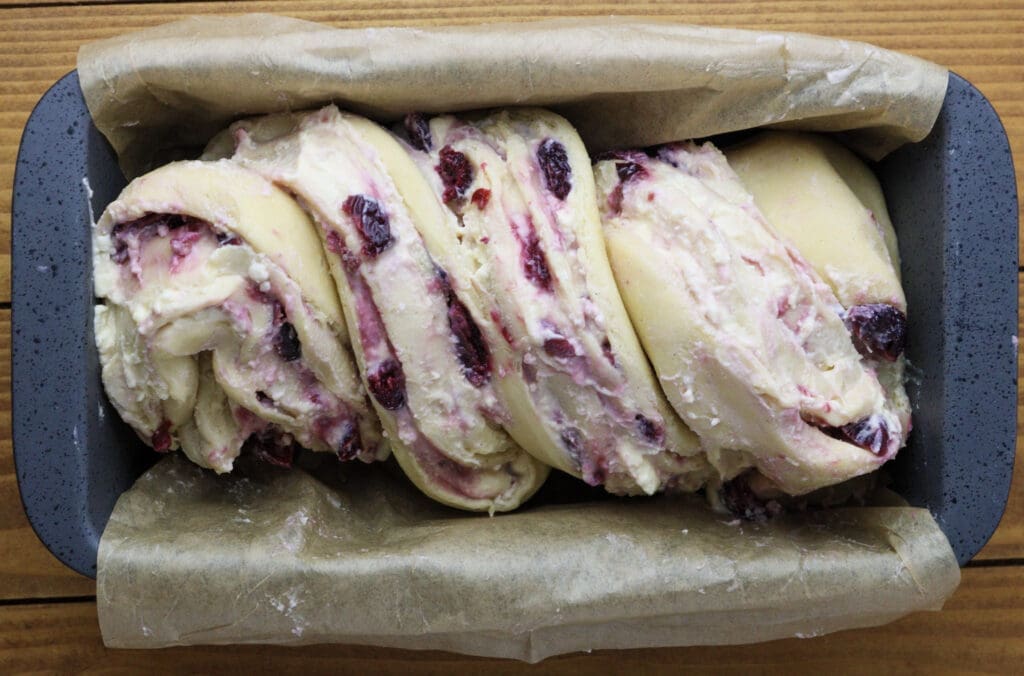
{"type": "Point", "coordinates": [48, 613]}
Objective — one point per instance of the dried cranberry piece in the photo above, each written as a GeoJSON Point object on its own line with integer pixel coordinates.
{"type": "Point", "coordinates": [606, 349]}
{"type": "Point", "coordinates": [227, 239]}
{"type": "Point", "coordinates": [554, 164]}
{"type": "Point", "coordinates": [481, 196]}
{"type": "Point", "coordinates": [183, 240]}
{"type": "Point", "coordinates": [871, 434]}
{"type": "Point", "coordinates": [287, 344]}
{"type": "Point", "coordinates": [387, 385]}
{"type": "Point", "coordinates": [417, 128]}
{"type": "Point", "coordinates": [456, 173]}
{"type": "Point", "coordinates": [878, 330]}
{"type": "Point", "coordinates": [161, 439]}
{"type": "Point", "coordinates": [351, 444]}
{"type": "Point", "coordinates": [264, 398]}
{"type": "Point", "coordinates": [741, 500]}
{"type": "Point", "coordinates": [470, 346]}
{"type": "Point", "coordinates": [559, 347]}
{"type": "Point", "coordinates": [270, 447]}
{"type": "Point", "coordinates": [650, 430]}
{"type": "Point", "coordinates": [629, 170]}
{"type": "Point", "coordinates": [120, 253]}
{"type": "Point", "coordinates": [370, 220]}
{"type": "Point", "coordinates": [535, 263]}
{"type": "Point", "coordinates": [573, 442]}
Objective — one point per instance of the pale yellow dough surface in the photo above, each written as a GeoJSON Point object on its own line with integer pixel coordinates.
{"type": "Point", "coordinates": [174, 351]}
{"type": "Point", "coordinates": [827, 202]}
{"type": "Point", "coordinates": [746, 339]}
{"type": "Point", "coordinates": [448, 437]}
{"type": "Point", "coordinates": [580, 413]}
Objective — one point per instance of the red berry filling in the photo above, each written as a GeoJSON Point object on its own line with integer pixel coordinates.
{"type": "Point", "coordinates": [481, 196]}
{"type": "Point", "coordinates": [161, 439]}
{"type": "Point", "coordinates": [878, 330]}
{"type": "Point", "coordinates": [456, 173]}
{"type": "Point", "coordinates": [554, 164]}
{"type": "Point", "coordinates": [470, 346]}
{"type": "Point", "coordinates": [372, 223]}
{"type": "Point", "coordinates": [741, 500]}
{"type": "Point", "coordinates": [149, 226]}
{"type": "Point", "coordinates": [629, 170]}
{"type": "Point", "coordinates": [870, 433]}
{"type": "Point", "coordinates": [227, 239]}
{"type": "Point", "coordinates": [271, 447]}
{"type": "Point", "coordinates": [650, 430]}
{"type": "Point", "coordinates": [560, 348]}
{"type": "Point", "coordinates": [417, 129]}
{"type": "Point", "coordinates": [535, 263]}
{"type": "Point", "coordinates": [606, 349]}
{"type": "Point", "coordinates": [387, 384]}
{"type": "Point", "coordinates": [287, 344]}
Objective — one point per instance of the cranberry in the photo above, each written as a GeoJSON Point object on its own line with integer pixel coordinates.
{"type": "Point", "coordinates": [741, 500]}
{"type": "Point", "coordinates": [371, 222]}
{"type": "Point", "coordinates": [554, 164]}
{"type": "Point", "coordinates": [120, 253]}
{"type": "Point", "coordinates": [535, 263]}
{"type": "Point", "coordinates": [417, 128]}
{"type": "Point", "coordinates": [481, 196]}
{"type": "Point", "coordinates": [334, 244]}
{"type": "Point", "coordinates": [351, 444]}
{"type": "Point", "coordinates": [606, 349]}
{"type": "Point", "coordinates": [878, 330]}
{"type": "Point", "coordinates": [268, 446]}
{"type": "Point", "coordinates": [650, 430]}
{"type": "Point", "coordinates": [869, 433]}
{"type": "Point", "coordinates": [227, 239]}
{"type": "Point", "coordinates": [183, 240]}
{"type": "Point", "coordinates": [573, 442]}
{"type": "Point", "coordinates": [629, 170]}
{"type": "Point", "coordinates": [287, 344]}
{"type": "Point", "coordinates": [559, 347]}
{"type": "Point", "coordinates": [161, 439]}
{"type": "Point", "coordinates": [387, 384]}
{"type": "Point", "coordinates": [263, 398]}
{"type": "Point", "coordinates": [470, 346]}
{"type": "Point", "coordinates": [456, 173]}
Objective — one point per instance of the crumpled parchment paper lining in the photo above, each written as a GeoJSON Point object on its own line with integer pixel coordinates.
{"type": "Point", "coordinates": [355, 554]}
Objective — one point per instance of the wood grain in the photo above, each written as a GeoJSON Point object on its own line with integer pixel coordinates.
{"type": "Point", "coordinates": [986, 614]}
{"type": "Point", "coordinates": [980, 39]}
{"type": "Point", "coordinates": [1008, 540]}
{"type": "Point", "coordinates": [982, 625]}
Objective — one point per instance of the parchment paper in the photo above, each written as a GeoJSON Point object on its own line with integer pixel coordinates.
{"type": "Point", "coordinates": [622, 83]}
{"type": "Point", "coordinates": [354, 554]}
{"type": "Point", "coordinates": [280, 557]}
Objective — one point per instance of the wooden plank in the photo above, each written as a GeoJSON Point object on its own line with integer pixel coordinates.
{"type": "Point", "coordinates": [1008, 540]}
{"type": "Point", "coordinates": [982, 40]}
{"type": "Point", "coordinates": [980, 628]}
{"type": "Point", "coordinates": [27, 569]}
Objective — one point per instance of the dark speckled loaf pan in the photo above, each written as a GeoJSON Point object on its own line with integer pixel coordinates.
{"type": "Point", "coordinates": [952, 197]}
